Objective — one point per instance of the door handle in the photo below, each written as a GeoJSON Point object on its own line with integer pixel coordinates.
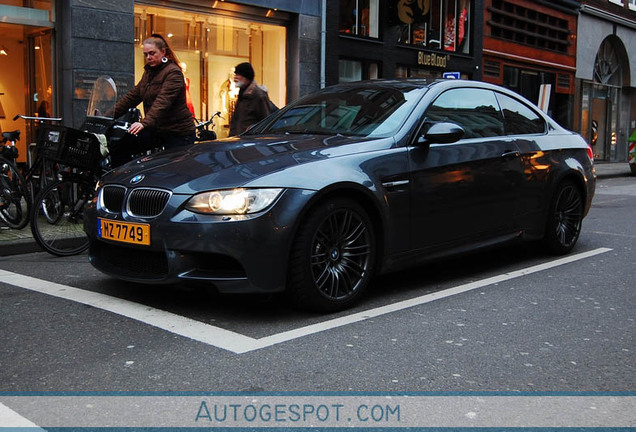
{"type": "Point", "coordinates": [510, 153]}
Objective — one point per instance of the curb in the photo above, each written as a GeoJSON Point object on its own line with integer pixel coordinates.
{"type": "Point", "coordinates": [19, 247]}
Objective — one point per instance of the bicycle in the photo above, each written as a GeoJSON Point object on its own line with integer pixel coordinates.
{"type": "Point", "coordinates": [57, 213]}
{"type": "Point", "coordinates": [18, 189]}
{"type": "Point", "coordinates": [14, 202]}
{"type": "Point", "coordinates": [202, 131]}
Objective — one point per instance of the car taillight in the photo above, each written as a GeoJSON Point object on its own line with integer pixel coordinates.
{"type": "Point", "coordinates": [590, 152]}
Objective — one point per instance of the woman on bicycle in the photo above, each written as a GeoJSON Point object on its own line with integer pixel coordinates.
{"type": "Point", "coordinates": [162, 90]}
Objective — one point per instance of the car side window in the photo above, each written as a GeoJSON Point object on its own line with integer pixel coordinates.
{"type": "Point", "coordinates": [475, 110]}
{"type": "Point", "coordinates": [519, 118]}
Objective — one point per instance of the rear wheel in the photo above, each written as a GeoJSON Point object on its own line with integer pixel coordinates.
{"type": "Point", "coordinates": [14, 196]}
{"type": "Point", "coordinates": [565, 217]}
{"type": "Point", "coordinates": [333, 257]}
{"type": "Point", "coordinates": [57, 217]}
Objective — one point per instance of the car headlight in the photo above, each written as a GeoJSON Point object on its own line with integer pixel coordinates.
{"type": "Point", "coordinates": [233, 201]}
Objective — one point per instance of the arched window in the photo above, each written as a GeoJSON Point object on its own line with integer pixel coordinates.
{"type": "Point", "coordinates": [607, 66]}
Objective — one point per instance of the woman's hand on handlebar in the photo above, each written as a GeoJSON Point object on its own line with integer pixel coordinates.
{"type": "Point", "coordinates": [135, 128]}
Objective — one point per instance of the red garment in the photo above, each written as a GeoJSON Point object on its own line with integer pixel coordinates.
{"type": "Point", "coordinates": [189, 97]}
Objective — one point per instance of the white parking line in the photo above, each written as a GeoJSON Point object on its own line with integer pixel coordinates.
{"type": "Point", "coordinates": [236, 342]}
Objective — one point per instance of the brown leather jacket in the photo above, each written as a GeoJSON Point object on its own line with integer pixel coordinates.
{"type": "Point", "coordinates": [162, 90]}
{"type": "Point", "coordinates": [251, 107]}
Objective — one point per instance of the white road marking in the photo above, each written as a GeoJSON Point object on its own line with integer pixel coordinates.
{"type": "Point", "coordinates": [11, 419]}
{"type": "Point", "coordinates": [236, 342]}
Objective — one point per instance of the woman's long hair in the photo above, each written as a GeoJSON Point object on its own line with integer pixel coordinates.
{"type": "Point", "coordinates": [157, 40]}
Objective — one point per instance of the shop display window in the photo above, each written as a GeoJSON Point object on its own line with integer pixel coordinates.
{"type": "Point", "coordinates": [359, 17]}
{"type": "Point", "coordinates": [353, 70]}
{"type": "Point", "coordinates": [434, 24]}
{"type": "Point", "coordinates": [208, 47]}
{"type": "Point", "coordinates": [26, 65]}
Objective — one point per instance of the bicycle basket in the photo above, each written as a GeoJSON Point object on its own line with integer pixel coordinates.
{"type": "Point", "coordinates": [68, 146]}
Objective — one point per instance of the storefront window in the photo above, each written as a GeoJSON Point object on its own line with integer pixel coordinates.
{"type": "Point", "coordinates": [208, 47]}
{"type": "Point", "coordinates": [26, 80]}
{"type": "Point", "coordinates": [359, 17]}
{"type": "Point", "coordinates": [410, 72]}
{"type": "Point", "coordinates": [353, 70]}
{"type": "Point", "coordinates": [349, 70]}
{"type": "Point", "coordinates": [435, 24]}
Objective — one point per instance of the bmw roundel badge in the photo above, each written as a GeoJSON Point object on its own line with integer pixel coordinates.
{"type": "Point", "coordinates": [136, 179]}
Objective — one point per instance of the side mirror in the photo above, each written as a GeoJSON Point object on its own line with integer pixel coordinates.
{"type": "Point", "coordinates": [442, 133]}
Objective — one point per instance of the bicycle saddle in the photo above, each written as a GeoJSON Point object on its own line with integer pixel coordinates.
{"type": "Point", "coordinates": [10, 136]}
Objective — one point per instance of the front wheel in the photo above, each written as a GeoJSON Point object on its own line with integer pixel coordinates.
{"type": "Point", "coordinates": [57, 217]}
{"type": "Point", "coordinates": [565, 217]}
{"type": "Point", "coordinates": [332, 258]}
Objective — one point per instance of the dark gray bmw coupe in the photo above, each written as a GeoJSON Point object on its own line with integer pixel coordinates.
{"type": "Point", "coordinates": [355, 180]}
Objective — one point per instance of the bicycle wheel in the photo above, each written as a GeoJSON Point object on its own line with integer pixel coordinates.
{"type": "Point", "coordinates": [42, 173]}
{"type": "Point", "coordinates": [57, 218]}
{"type": "Point", "coordinates": [14, 202]}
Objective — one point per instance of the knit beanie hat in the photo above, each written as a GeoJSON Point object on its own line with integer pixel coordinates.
{"type": "Point", "coordinates": [245, 70]}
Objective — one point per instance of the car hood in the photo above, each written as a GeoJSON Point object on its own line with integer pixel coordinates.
{"type": "Point", "coordinates": [235, 162]}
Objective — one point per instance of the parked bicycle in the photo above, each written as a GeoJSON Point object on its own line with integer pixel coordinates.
{"type": "Point", "coordinates": [205, 129]}
{"type": "Point", "coordinates": [14, 201]}
{"type": "Point", "coordinates": [57, 212]}
{"type": "Point", "coordinates": [17, 189]}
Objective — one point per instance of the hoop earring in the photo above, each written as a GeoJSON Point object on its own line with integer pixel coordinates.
{"type": "Point", "coordinates": [164, 59]}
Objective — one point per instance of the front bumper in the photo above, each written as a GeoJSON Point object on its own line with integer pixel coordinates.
{"type": "Point", "coordinates": [237, 254]}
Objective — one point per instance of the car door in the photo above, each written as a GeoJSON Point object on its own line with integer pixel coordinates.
{"type": "Point", "coordinates": [464, 191]}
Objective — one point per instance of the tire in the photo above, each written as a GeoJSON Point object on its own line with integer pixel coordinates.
{"type": "Point", "coordinates": [14, 196]}
{"type": "Point", "coordinates": [565, 217]}
{"type": "Point", "coordinates": [332, 257]}
{"type": "Point", "coordinates": [45, 173]}
{"type": "Point", "coordinates": [57, 217]}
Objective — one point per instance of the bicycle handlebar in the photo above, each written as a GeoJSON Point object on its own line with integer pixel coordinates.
{"type": "Point", "coordinates": [201, 125]}
{"type": "Point", "coordinates": [55, 119]}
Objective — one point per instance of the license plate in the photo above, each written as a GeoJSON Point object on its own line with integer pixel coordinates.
{"type": "Point", "coordinates": [124, 231]}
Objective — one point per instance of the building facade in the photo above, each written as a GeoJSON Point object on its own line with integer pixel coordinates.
{"type": "Point", "coordinates": [574, 57]}
{"type": "Point", "coordinates": [369, 39]}
{"type": "Point", "coordinates": [530, 47]}
{"type": "Point", "coordinates": [606, 76]}
{"type": "Point", "coordinates": [55, 49]}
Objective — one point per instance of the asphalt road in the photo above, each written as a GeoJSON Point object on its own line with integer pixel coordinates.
{"type": "Point", "coordinates": [512, 319]}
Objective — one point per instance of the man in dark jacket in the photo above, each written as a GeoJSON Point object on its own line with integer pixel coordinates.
{"type": "Point", "coordinates": [252, 105]}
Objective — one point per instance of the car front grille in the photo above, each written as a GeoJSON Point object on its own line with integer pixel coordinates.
{"type": "Point", "coordinates": [139, 202]}
{"type": "Point", "coordinates": [112, 198]}
{"type": "Point", "coordinates": [147, 202]}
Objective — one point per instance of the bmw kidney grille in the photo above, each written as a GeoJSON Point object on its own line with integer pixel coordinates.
{"type": "Point", "coordinates": [112, 198]}
{"type": "Point", "coordinates": [140, 202]}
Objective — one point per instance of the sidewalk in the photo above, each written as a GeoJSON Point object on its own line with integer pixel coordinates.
{"type": "Point", "coordinates": [13, 242]}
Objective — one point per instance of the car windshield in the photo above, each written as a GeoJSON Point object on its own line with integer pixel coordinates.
{"type": "Point", "coordinates": [366, 111]}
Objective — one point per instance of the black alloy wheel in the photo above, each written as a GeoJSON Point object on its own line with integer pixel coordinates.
{"type": "Point", "coordinates": [333, 257]}
{"type": "Point", "coordinates": [565, 218]}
